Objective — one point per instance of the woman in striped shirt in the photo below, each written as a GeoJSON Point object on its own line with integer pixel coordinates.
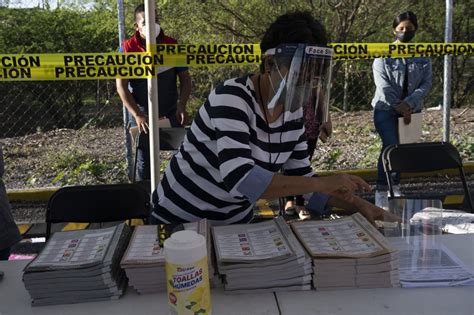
{"type": "Point", "coordinates": [246, 132]}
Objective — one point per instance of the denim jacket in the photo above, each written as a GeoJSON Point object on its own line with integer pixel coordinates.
{"type": "Point", "coordinates": [389, 76]}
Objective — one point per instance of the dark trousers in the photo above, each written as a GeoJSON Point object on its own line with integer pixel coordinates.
{"type": "Point", "coordinates": [386, 124]}
{"type": "Point", "coordinates": [143, 152]}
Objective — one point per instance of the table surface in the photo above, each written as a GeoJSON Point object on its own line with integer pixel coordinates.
{"type": "Point", "coordinates": [14, 299]}
{"type": "Point", "coordinates": [442, 301]}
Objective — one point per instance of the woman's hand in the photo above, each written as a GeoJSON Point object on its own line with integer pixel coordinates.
{"type": "Point", "coordinates": [372, 212]}
{"type": "Point", "coordinates": [341, 186]}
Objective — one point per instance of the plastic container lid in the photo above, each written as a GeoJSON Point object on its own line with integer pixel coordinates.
{"type": "Point", "coordinates": [184, 247]}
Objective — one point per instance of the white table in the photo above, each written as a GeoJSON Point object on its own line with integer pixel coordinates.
{"type": "Point", "coordinates": [14, 299]}
{"type": "Point", "coordinates": [396, 301]}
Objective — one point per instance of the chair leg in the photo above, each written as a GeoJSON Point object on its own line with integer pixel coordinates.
{"type": "Point", "coordinates": [466, 189]}
{"type": "Point", "coordinates": [48, 230]}
{"type": "Point", "coordinates": [282, 206]}
{"type": "Point", "coordinates": [134, 175]}
{"type": "Point", "coordinates": [386, 168]}
{"type": "Point", "coordinates": [390, 185]}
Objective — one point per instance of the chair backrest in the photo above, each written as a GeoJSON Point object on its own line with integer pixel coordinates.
{"type": "Point", "coordinates": [423, 157]}
{"type": "Point", "coordinates": [170, 139]}
{"type": "Point", "coordinates": [97, 203]}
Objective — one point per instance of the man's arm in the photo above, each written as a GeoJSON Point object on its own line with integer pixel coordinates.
{"type": "Point", "coordinates": [131, 105]}
{"type": "Point", "coordinates": [185, 86]}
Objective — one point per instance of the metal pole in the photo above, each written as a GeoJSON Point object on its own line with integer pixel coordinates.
{"type": "Point", "coordinates": [448, 36]}
{"type": "Point", "coordinates": [125, 114]}
{"type": "Point", "coordinates": [153, 115]}
{"type": "Point", "coordinates": [345, 105]}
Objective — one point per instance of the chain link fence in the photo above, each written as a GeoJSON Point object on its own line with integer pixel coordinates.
{"type": "Point", "coordinates": [71, 132]}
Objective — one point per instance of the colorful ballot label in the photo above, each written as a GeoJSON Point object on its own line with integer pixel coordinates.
{"type": "Point", "coordinates": [188, 288]}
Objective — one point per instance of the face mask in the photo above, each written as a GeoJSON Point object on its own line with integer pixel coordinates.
{"type": "Point", "coordinates": [405, 37]}
{"type": "Point", "coordinates": [279, 94]}
{"type": "Point", "coordinates": [157, 30]}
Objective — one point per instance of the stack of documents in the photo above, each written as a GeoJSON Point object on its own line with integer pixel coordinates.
{"type": "Point", "coordinates": [144, 260]}
{"type": "Point", "coordinates": [348, 253]}
{"type": "Point", "coordinates": [202, 227]}
{"type": "Point", "coordinates": [425, 264]}
{"type": "Point", "coordinates": [261, 257]}
{"type": "Point", "coordinates": [78, 266]}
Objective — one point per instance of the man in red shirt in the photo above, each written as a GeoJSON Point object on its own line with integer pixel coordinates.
{"type": "Point", "coordinates": [134, 93]}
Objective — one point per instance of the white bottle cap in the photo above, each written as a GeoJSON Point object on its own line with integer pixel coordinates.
{"type": "Point", "coordinates": [184, 247]}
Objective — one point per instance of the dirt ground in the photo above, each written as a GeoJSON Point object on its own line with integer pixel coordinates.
{"type": "Point", "coordinates": [85, 156]}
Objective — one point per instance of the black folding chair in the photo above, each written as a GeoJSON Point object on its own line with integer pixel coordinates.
{"type": "Point", "coordinates": [97, 204]}
{"type": "Point", "coordinates": [423, 157]}
{"type": "Point", "coordinates": [170, 139]}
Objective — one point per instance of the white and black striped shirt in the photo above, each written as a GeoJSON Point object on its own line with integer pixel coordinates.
{"type": "Point", "coordinates": [226, 162]}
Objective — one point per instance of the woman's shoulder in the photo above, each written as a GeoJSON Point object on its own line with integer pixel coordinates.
{"type": "Point", "coordinates": [240, 87]}
{"type": "Point", "coordinates": [239, 83]}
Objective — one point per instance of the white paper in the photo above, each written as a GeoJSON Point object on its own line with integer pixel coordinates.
{"type": "Point", "coordinates": [431, 267]}
{"type": "Point", "coordinates": [451, 221]}
{"type": "Point", "coordinates": [346, 237]}
{"type": "Point", "coordinates": [410, 133]}
{"type": "Point", "coordinates": [250, 242]}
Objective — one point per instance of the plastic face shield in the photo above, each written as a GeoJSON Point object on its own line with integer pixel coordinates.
{"type": "Point", "coordinates": [301, 76]}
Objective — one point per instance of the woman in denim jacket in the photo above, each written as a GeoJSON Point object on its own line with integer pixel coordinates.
{"type": "Point", "coordinates": [401, 84]}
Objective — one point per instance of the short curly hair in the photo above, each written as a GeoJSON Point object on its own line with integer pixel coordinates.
{"type": "Point", "coordinates": [294, 27]}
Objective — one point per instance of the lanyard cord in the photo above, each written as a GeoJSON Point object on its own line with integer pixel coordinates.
{"type": "Point", "coordinates": [268, 125]}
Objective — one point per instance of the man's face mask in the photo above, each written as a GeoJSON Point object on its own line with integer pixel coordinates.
{"type": "Point", "coordinates": [405, 37]}
{"type": "Point", "coordinates": [300, 77]}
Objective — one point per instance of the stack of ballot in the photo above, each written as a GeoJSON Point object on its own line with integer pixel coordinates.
{"type": "Point", "coordinates": [144, 260]}
{"type": "Point", "coordinates": [371, 272]}
{"type": "Point", "coordinates": [78, 266]}
{"type": "Point", "coordinates": [261, 257]}
{"type": "Point", "coordinates": [348, 253]}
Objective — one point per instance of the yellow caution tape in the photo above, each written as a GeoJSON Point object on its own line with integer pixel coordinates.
{"type": "Point", "coordinates": [95, 66]}
{"type": "Point", "coordinates": [382, 50]}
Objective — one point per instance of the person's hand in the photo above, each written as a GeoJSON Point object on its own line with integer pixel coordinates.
{"type": "Point", "coordinates": [341, 186]}
{"type": "Point", "coordinates": [142, 123]}
{"type": "Point", "coordinates": [371, 212]}
{"type": "Point", "coordinates": [325, 131]}
{"type": "Point", "coordinates": [181, 115]}
{"type": "Point", "coordinates": [402, 108]}
{"type": "Point", "coordinates": [407, 118]}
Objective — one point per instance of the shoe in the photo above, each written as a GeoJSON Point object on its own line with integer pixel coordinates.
{"type": "Point", "coordinates": [381, 199]}
{"type": "Point", "coordinates": [290, 208]}
{"type": "Point", "coordinates": [303, 213]}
